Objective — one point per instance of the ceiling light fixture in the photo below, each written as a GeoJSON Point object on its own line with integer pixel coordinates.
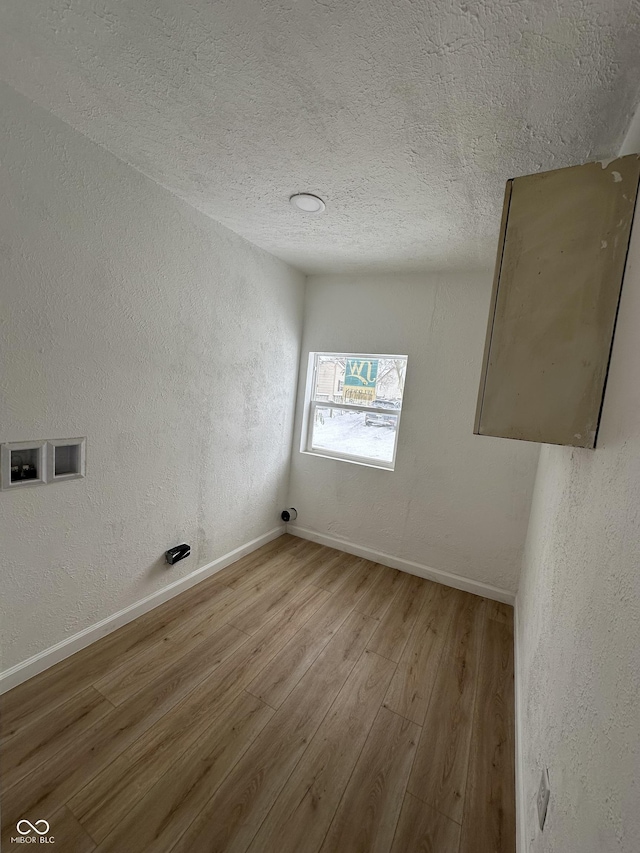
{"type": "Point", "coordinates": [307, 202]}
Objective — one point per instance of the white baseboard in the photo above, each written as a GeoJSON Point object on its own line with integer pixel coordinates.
{"type": "Point", "coordinates": [43, 660]}
{"type": "Point", "coordinates": [446, 578]}
{"type": "Point", "coordinates": [521, 825]}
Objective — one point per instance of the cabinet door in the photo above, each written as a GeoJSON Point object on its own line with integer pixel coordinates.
{"type": "Point", "coordinates": [561, 258]}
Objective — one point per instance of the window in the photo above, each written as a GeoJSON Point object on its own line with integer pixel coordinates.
{"type": "Point", "coordinates": [353, 406]}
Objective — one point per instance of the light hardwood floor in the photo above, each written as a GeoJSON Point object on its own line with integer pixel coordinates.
{"type": "Point", "coordinates": [300, 701]}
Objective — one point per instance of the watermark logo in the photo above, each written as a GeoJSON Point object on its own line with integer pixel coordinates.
{"type": "Point", "coordinates": [33, 833]}
{"type": "Point", "coordinates": [30, 827]}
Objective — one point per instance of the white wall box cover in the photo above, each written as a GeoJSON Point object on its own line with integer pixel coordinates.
{"type": "Point", "coordinates": [23, 463]}
{"type": "Point", "coordinates": [66, 459]}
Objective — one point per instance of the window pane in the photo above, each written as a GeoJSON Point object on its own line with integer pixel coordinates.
{"type": "Point", "coordinates": [355, 432]}
{"type": "Point", "coordinates": [359, 380]}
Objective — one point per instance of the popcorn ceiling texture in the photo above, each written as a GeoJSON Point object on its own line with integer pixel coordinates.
{"type": "Point", "coordinates": [456, 502]}
{"type": "Point", "coordinates": [407, 117]}
{"type": "Point", "coordinates": [578, 622]}
{"type": "Point", "coordinates": [170, 342]}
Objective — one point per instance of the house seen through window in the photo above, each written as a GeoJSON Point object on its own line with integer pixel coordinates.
{"type": "Point", "coordinates": [353, 407]}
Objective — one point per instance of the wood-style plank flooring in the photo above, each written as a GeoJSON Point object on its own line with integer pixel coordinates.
{"type": "Point", "coordinates": [302, 700]}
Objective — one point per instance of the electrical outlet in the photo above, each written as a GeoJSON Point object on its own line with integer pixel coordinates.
{"type": "Point", "coordinates": [544, 792]}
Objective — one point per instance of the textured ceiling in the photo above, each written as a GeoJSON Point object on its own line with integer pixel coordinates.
{"type": "Point", "coordinates": [406, 117]}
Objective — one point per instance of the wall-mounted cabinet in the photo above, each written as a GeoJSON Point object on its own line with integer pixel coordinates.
{"type": "Point", "coordinates": [561, 259]}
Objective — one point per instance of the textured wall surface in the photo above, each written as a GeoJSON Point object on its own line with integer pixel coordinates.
{"type": "Point", "coordinates": [578, 622]}
{"type": "Point", "coordinates": [456, 502]}
{"type": "Point", "coordinates": [168, 341]}
{"type": "Point", "coordinates": [407, 117]}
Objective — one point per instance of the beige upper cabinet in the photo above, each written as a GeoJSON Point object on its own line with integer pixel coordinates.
{"type": "Point", "coordinates": [561, 258]}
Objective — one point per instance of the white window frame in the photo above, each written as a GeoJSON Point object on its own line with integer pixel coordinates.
{"type": "Point", "coordinates": [310, 407]}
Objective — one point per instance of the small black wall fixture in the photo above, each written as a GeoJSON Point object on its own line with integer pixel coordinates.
{"type": "Point", "coordinates": [173, 555]}
{"type": "Point", "coordinates": [289, 514]}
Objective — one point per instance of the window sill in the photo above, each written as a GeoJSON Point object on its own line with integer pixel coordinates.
{"type": "Point", "coordinates": [339, 458]}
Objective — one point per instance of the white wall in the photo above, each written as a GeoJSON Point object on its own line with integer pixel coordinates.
{"type": "Point", "coordinates": [578, 623]}
{"type": "Point", "coordinates": [456, 502]}
{"type": "Point", "coordinates": [168, 341]}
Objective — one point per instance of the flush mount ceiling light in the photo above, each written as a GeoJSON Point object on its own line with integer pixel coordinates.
{"type": "Point", "coordinates": [307, 202]}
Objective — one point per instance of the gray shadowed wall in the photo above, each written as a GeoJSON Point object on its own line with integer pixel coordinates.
{"type": "Point", "coordinates": [171, 343]}
{"type": "Point", "coordinates": [456, 502]}
{"type": "Point", "coordinates": [578, 618]}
